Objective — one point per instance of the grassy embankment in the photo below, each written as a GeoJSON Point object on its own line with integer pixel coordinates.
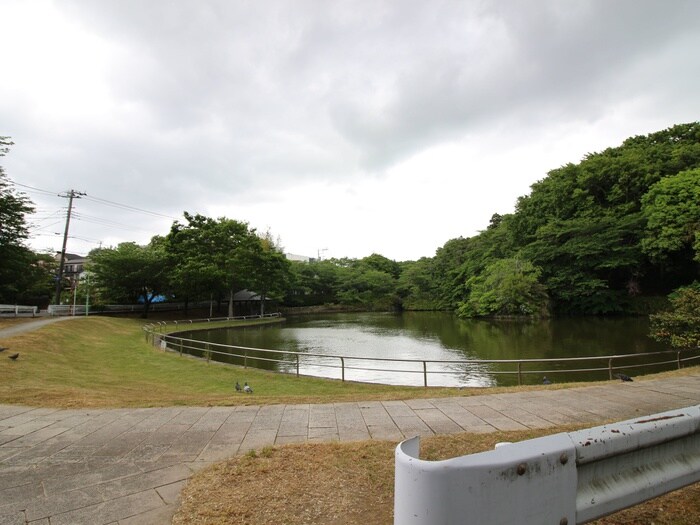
{"type": "Point", "coordinates": [106, 362]}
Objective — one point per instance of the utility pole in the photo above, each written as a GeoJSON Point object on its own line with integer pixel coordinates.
{"type": "Point", "coordinates": [72, 194]}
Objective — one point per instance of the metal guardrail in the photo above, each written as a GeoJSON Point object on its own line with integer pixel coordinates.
{"type": "Point", "coordinates": [17, 309]}
{"type": "Point", "coordinates": [565, 478]}
{"type": "Point", "coordinates": [293, 361]}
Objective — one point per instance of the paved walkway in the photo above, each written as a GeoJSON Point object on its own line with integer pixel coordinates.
{"type": "Point", "coordinates": [127, 466]}
{"type": "Point", "coordinates": [30, 326]}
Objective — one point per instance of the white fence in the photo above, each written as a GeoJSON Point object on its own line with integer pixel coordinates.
{"type": "Point", "coordinates": [16, 310]}
{"type": "Point", "coordinates": [78, 309]}
{"type": "Point", "coordinates": [561, 479]}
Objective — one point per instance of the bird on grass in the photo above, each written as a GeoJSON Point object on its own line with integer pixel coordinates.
{"type": "Point", "coordinates": [13, 357]}
{"type": "Point", "coordinates": [624, 377]}
{"type": "Point", "coordinates": [546, 381]}
{"type": "Point", "coordinates": [238, 387]}
{"type": "Point", "coordinates": [3, 348]}
{"type": "Point", "coordinates": [247, 389]}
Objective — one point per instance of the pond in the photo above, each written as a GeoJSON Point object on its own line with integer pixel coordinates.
{"type": "Point", "coordinates": [437, 336]}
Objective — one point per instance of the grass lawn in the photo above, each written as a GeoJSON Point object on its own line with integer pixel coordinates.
{"type": "Point", "coordinates": [106, 362]}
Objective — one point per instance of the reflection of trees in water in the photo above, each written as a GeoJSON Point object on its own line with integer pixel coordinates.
{"type": "Point", "coordinates": [442, 335]}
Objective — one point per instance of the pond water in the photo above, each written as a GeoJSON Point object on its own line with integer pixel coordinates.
{"type": "Point", "coordinates": [440, 336]}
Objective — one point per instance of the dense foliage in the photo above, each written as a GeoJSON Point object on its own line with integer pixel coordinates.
{"type": "Point", "coordinates": [680, 326]}
{"type": "Point", "coordinates": [612, 234]}
{"type": "Point", "coordinates": [25, 277]}
{"type": "Point", "coordinates": [605, 234]}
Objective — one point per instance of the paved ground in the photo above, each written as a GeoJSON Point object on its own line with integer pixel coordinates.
{"type": "Point", "coordinates": [127, 466]}
{"type": "Point", "coordinates": [30, 326]}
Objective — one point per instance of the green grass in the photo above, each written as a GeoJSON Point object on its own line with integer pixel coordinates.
{"type": "Point", "coordinates": [106, 362]}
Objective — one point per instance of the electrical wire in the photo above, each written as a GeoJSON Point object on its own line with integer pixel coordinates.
{"type": "Point", "coordinates": [37, 190]}
{"type": "Point", "coordinates": [127, 207]}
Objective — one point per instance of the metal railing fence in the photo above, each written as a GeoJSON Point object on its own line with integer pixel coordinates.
{"type": "Point", "coordinates": [291, 361]}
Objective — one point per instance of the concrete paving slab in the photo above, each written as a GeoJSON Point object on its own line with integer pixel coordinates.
{"type": "Point", "coordinates": [13, 518]}
{"type": "Point", "coordinates": [127, 466]}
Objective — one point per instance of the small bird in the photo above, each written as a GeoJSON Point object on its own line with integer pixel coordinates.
{"type": "Point", "coordinates": [3, 348]}
{"type": "Point", "coordinates": [546, 381]}
{"type": "Point", "coordinates": [247, 389]}
{"type": "Point", "coordinates": [13, 357]}
{"type": "Point", "coordinates": [238, 387]}
{"type": "Point", "coordinates": [624, 377]}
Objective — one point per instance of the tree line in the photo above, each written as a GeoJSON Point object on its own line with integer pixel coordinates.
{"type": "Point", "coordinates": [613, 234]}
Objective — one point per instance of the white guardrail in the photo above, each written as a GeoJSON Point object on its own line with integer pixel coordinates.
{"type": "Point", "coordinates": [17, 309]}
{"type": "Point", "coordinates": [561, 479]}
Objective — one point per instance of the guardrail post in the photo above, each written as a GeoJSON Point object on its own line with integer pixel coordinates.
{"type": "Point", "coordinates": [342, 369]}
{"type": "Point", "coordinates": [425, 374]}
{"type": "Point", "coordinates": [520, 373]}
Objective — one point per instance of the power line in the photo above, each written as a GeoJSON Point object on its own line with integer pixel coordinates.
{"type": "Point", "coordinates": [106, 222]}
{"type": "Point", "coordinates": [128, 207]}
{"type": "Point", "coordinates": [100, 201]}
{"type": "Point", "coordinates": [38, 190]}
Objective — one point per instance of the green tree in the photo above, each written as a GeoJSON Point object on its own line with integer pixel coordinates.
{"type": "Point", "coordinates": [416, 285]}
{"type": "Point", "coordinates": [270, 270]}
{"type": "Point", "coordinates": [506, 287]}
{"type": "Point", "coordinates": [313, 283]}
{"type": "Point", "coordinates": [680, 326]}
{"type": "Point", "coordinates": [672, 210]}
{"type": "Point", "coordinates": [130, 272]}
{"type": "Point", "coordinates": [15, 258]}
{"type": "Point", "coordinates": [225, 249]}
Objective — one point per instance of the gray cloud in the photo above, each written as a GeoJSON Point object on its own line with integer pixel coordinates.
{"type": "Point", "coordinates": [221, 103]}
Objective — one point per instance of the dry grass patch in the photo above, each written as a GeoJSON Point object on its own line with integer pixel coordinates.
{"type": "Point", "coordinates": [353, 484]}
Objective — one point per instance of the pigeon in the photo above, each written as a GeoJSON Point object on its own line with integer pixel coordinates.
{"type": "Point", "coordinates": [13, 357]}
{"type": "Point", "coordinates": [546, 381]}
{"type": "Point", "coordinates": [624, 377]}
{"type": "Point", "coordinates": [238, 387]}
{"type": "Point", "coordinates": [247, 389]}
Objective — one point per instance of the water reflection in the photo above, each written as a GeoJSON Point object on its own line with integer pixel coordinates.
{"type": "Point", "coordinates": [432, 336]}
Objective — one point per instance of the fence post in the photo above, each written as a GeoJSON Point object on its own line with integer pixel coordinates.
{"type": "Point", "coordinates": [297, 365]}
{"type": "Point", "coordinates": [425, 374]}
{"type": "Point", "coordinates": [610, 368]}
{"type": "Point", "coordinates": [245, 359]}
{"type": "Point", "coordinates": [208, 353]}
{"type": "Point", "coordinates": [181, 347]}
{"type": "Point", "coordinates": [342, 368]}
{"type": "Point", "coordinates": [520, 373]}
{"type": "Point", "coordinates": [679, 359]}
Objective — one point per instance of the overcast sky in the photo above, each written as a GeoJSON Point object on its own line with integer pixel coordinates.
{"type": "Point", "coordinates": [345, 128]}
